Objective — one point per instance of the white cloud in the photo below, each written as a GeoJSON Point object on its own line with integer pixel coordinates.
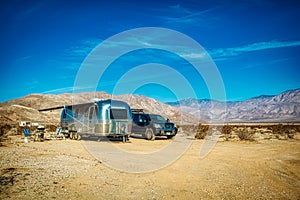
{"type": "Point", "coordinates": [234, 51]}
{"type": "Point", "coordinates": [187, 18]}
{"type": "Point", "coordinates": [65, 90]}
{"type": "Point", "coordinates": [179, 9]}
{"type": "Point", "coordinates": [58, 90]}
{"type": "Point", "coordinates": [179, 15]}
{"type": "Point", "coordinates": [85, 47]}
{"type": "Point", "coordinates": [193, 55]}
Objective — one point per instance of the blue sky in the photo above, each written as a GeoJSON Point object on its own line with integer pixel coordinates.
{"type": "Point", "coordinates": [254, 44]}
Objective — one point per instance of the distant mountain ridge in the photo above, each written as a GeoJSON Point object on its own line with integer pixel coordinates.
{"type": "Point", "coordinates": [284, 107]}
{"type": "Point", "coordinates": [26, 108]}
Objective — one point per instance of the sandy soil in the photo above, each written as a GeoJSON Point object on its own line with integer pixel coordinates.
{"type": "Point", "coordinates": [64, 169]}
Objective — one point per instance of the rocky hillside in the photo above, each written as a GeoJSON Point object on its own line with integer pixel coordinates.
{"type": "Point", "coordinates": [26, 108]}
{"type": "Point", "coordinates": [284, 107]}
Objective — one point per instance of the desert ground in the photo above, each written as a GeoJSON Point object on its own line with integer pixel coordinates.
{"type": "Point", "coordinates": [64, 169]}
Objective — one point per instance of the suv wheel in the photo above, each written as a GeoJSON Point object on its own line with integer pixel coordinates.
{"type": "Point", "coordinates": [149, 134]}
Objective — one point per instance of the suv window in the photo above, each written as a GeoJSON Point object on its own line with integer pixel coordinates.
{"type": "Point", "coordinates": [157, 118]}
{"type": "Point", "coordinates": [141, 118]}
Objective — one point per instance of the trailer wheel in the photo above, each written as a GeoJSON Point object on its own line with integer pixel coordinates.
{"type": "Point", "coordinates": [125, 138]}
{"type": "Point", "coordinates": [76, 136]}
{"type": "Point", "coordinates": [149, 134]}
{"type": "Point", "coordinates": [71, 135]}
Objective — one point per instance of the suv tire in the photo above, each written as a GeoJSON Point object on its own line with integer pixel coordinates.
{"type": "Point", "coordinates": [149, 134]}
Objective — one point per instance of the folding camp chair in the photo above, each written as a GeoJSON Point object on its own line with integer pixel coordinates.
{"type": "Point", "coordinates": [27, 135]}
{"type": "Point", "coordinates": [58, 134]}
{"type": "Point", "coordinates": [26, 132]}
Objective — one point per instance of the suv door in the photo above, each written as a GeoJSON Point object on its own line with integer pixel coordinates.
{"type": "Point", "coordinates": [140, 122]}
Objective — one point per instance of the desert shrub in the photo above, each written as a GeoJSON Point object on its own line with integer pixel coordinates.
{"type": "Point", "coordinates": [227, 129]}
{"type": "Point", "coordinates": [278, 129]}
{"type": "Point", "coordinates": [4, 128]}
{"type": "Point", "coordinates": [201, 131]}
{"type": "Point", "coordinates": [297, 128]}
{"type": "Point", "coordinates": [245, 134]}
{"type": "Point", "coordinates": [285, 129]}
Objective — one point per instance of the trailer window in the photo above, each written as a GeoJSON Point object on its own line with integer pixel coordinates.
{"type": "Point", "coordinates": [118, 114]}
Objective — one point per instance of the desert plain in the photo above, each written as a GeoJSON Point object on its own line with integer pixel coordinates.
{"type": "Point", "coordinates": [65, 169]}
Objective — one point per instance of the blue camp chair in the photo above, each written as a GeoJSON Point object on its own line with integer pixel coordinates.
{"type": "Point", "coordinates": [26, 132]}
{"type": "Point", "coordinates": [58, 131]}
{"type": "Point", "coordinates": [58, 134]}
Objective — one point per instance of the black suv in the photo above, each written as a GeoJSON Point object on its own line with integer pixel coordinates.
{"type": "Point", "coordinates": [151, 125]}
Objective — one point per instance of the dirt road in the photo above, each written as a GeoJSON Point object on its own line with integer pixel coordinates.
{"type": "Point", "coordinates": [64, 169]}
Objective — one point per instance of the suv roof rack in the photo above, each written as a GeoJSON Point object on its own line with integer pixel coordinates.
{"type": "Point", "coordinates": [135, 110]}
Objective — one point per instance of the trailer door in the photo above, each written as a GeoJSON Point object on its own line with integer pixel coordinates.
{"type": "Point", "coordinates": [92, 118]}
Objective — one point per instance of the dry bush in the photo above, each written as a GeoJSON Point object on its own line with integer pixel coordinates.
{"type": "Point", "coordinates": [245, 134]}
{"type": "Point", "coordinates": [201, 131]}
{"type": "Point", "coordinates": [4, 129]}
{"type": "Point", "coordinates": [227, 129]}
{"type": "Point", "coordinates": [281, 129]}
{"type": "Point", "coordinates": [278, 129]}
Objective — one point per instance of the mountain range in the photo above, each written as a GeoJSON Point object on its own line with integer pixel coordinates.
{"type": "Point", "coordinates": [26, 108]}
{"type": "Point", "coordinates": [284, 107]}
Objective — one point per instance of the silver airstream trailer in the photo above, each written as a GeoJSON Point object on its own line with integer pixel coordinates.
{"type": "Point", "coordinates": [110, 118]}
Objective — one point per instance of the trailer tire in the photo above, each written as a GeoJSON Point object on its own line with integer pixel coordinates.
{"type": "Point", "coordinates": [71, 134]}
{"type": "Point", "coordinates": [76, 136]}
{"type": "Point", "coordinates": [125, 138]}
